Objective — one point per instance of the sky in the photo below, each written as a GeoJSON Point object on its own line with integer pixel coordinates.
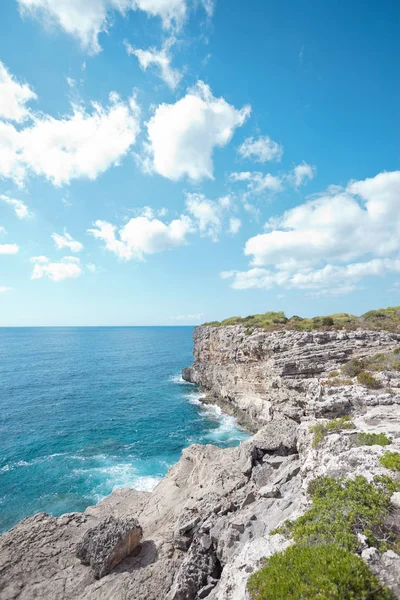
{"type": "Point", "coordinates": [170, 162]}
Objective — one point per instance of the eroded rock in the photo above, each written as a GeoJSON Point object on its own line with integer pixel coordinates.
{"type": "Point", "coordinates": [104, 546]}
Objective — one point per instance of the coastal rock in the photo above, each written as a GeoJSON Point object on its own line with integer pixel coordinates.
{"type": "Point", "coordinates": [259, 375]}
{"type": "Point", "coordinates": [108, 543]}
{"type": "Point", "coordinates": [208, 522]}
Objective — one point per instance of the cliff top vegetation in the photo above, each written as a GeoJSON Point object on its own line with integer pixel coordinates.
{"type": "Point", "coordinates": [387, 319]}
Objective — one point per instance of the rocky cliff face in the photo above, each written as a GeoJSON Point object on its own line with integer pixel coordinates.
{"type": "Point", "coordinates": [261, 375]}
{"type": "Point", "coordinates": [207, 525]}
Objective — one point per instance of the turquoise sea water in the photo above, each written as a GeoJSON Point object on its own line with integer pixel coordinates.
{"type": "Point", "coordinates": [84, 411]}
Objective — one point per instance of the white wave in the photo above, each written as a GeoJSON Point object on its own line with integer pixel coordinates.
{"type": "Point", "coordinates": [179, 380]}
{"type": "Point", "coordinates": [195, 398]}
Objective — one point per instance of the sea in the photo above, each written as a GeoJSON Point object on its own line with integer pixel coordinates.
{"type": "Point", "coordinates": [87, 410]}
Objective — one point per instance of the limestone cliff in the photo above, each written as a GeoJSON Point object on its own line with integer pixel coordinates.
{"type": "Point", "coordinates": [259, 375]}
{"type": "Point", "coordinates": [206, 527]}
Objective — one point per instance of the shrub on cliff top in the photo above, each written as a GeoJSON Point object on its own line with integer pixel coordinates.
{"type": "Point", "coordinates": [386, 318]}
{"type": "Point", "coordinates": [368, 381]}
{"type": "Point", "coordinates": [342, 508]}
{"type": "Point", "coordinates": [316, 572]}
{"type": "Point", "coordinates": [391, 460]}
{"type": "Point", "coordinates": [320, 430]}
{"type": "Point", "coordinates": [372, 439]}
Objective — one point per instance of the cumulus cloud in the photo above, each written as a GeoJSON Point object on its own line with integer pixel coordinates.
{"type": "Point", "coordinates": [20, 208]}
{"type": "Point", "coordinates": [142, 235]}
{"type": "Point", "coordinates": [182, 136]}
{"type": "Point", "coordinates": [330, 242]}
{"type": "Point", "coordinates": [14, 97]}
{"type": "Point", "coordinates": [85, 20]}
{"type": "Point", "coordinates": [66, 241]}
{"type": "Point", "coordinates": [159, 60]}
{"type": "Point", "coordinates": [68, 268]}
{"type": "Point", "coordinates": [261, 149]}
{"type": "Point", "coordinates": [81, 145]}
{"type": "Point", "coordinates": [9, 248]}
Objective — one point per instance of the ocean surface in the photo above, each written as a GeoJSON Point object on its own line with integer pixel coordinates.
{"type": "Point", "coordinates": [84, 411]}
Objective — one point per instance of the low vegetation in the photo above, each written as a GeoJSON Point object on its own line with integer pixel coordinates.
{"type": "Point", "coordinates": [322, 562]}
{"type": "Point", "coordinates": [373, 439]}
{"type": "Point", "coordinates": [391, 460]}
{"type": "Point", "coordinates": [378, 362]}
{"type": "Point", "coordinates": [385, 318]}
{"type": "Point", "coordinates": [316, 572]}
{"type": "Point", "coordinates": [368, 381]}
{"type": "Point", "coordinates": [320, 430]}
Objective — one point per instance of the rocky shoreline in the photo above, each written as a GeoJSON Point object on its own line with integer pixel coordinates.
{"type": "Point", "coordinates": [206, 526]}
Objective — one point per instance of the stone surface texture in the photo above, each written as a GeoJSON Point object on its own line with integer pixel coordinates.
{"type": "Point", "coordinates": [104, 546]}
{"type": "Point", "coordinates": [206, 526]}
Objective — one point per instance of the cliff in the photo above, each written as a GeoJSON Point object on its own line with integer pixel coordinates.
{"type": "Point", "coordinates": [209, 524]}
{"type": "Point", "coordinates": [260, 375]}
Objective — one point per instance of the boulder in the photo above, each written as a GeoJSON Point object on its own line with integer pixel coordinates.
{"type": "Point", "coordinates": [104, 546]}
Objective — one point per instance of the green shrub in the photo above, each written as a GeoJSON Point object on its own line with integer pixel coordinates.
{"type": "Point", "coordinates": [368, 381]}
{"type": "Point", "coordinates": [333, 374]}
{"type": "Point", "coordinates": [342, 508]}
{"type": "Point", "coordinates": [340, 423]}
{"type": "Point", "coordinates": [353, 367]}
{"type": "Point", "coordinates": [391, 460]}
{"type": "Point", "coordinates": [388, 319]}
{"type": "Point", "coordinates": [373, 439]}
{"type": "Point", "coordinates": [391, 485]}
{"type": "Point", "coordinates": [320, 430]}
{"type": "Point", "coordinates": [316, 572]}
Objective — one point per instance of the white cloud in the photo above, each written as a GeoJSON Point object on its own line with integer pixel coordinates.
{"type": "Point", "coordinates": [262, 149]}
{"type": "Point", "coordinates": [14, 97]}
{"type": "Point", "coordinates": [330, 242]}
{"type": "Point", "coordinates": [206, 213]}
{"type": "Point", "coordinates": [142, 235]}
{"type": "Point", "coordinates": [66, 241]}
{"type": "Point", "coordinates": [301, 174]}
{"type": "Point", "coordinates": [182, 136]}
{"type": "Point", "coordinates": [160, 60]}
{"type": "Point", "coordinates": [86, 19]}
{"type": "Point", "coordinates": [4, 289]}
{"type": "Point", "coordinates": [68, 268]}
{"type": "Point", "coordinates": [92, 268]}
{"type": "Point", "coordinates": [9, 248]}
{"type": "Point", "coordinates": [20, 208]}
{"type": "Point", "coordinates": [84, 144]}
{"type": "Point", "coordinates": [2, 229]}
{"type": "Point", "coordinates": [209, 6]}
{"type": "Point", "coordinates": [234, 225]}
{"type": "Point", "coordinates": [258, 183]}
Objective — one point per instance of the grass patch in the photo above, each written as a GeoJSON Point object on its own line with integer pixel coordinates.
{"type": "Point", "coordinates": [383, 319]}
{"type": "Point", "coordinates": [320, 430]}
{"type": "Point", "coordinates": [373, 439]}
{"type": "Point", "coordinates": [367, 380]}
{"type": "Point", "coordinates": [316, 572]}
{"type": "Point", "coordinates": [391, 460]}
{"type": "Point", "coordinates": [333, 374]}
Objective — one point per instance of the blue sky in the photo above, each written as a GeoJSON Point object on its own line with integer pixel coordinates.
{"type": "Point", "coordinates": [176, 161]}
